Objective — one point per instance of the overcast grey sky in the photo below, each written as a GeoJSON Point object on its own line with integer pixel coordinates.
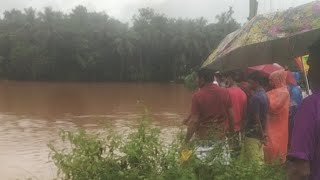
{"type": "Point", "coordinates": [125, 9]}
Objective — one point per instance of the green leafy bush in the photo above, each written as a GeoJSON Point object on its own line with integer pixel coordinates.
{"type": "Point", "coordinates": [142, 155]}
{"type": "Point", "coordinates": [190, 81]}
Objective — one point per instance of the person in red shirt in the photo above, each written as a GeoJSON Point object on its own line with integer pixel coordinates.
{"type": "Point", "coordinates": [211, 107]}
{"type": "Point", "coordinates": [239, 108]}
{"type": "Point", "coordinates": [238, 101]}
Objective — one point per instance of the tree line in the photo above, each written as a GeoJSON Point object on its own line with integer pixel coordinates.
{"type": "Point", "coordinates": [92, 46]}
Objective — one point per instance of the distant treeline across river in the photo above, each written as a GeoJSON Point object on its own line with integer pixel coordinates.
{"type": "Point", "coordinates": [92, 46]}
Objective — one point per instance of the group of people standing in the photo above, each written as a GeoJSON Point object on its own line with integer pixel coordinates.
{"type": "Point", "coordinates": [267, 113]}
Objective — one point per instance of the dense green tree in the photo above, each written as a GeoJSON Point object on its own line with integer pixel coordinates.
{"type": "Point", "coordinates": [91, 46]}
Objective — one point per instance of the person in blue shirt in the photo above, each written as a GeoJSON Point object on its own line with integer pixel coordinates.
{"type": "Point", "coordinates": [295, 100]}
{"type": "Point", "coordinates": [255, 124]}
{"type": "Point", "coordinates": [295, 90]}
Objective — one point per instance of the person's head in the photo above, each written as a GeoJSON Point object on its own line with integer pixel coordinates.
{"type": "Point", "coordinates": [223, 80]}
{"type": "Point", "coordinates": [314, 66]}
{"type": "Point", "coordinates": [204, 76]}
{"type": "Point", "coordinates": [231, 79]}
{"type": "Point", "coordinates": [256, 80]}
{"type": "Point", "coordinates": [246, 87]}
{"type": "Point", "coordinates": [286, 67]}
{"type": "Point", "coordinates": [220, 77]}
{"type": "Point", "coordinates": [278, 79]}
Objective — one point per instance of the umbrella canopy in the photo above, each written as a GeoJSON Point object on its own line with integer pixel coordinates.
{"type": "Point", "coordinates": [266, 69]}
{"type": "Point", "coordinates": [268, 38]}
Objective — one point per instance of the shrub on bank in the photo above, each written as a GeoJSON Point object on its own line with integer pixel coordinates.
{"type": "Point", "coordinates": [142, 155]}
{"type": "Point", "coordinates": [190, 81]}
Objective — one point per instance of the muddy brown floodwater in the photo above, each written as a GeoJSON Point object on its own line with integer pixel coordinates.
{"type": "Point", "coordinates": [33, 113]}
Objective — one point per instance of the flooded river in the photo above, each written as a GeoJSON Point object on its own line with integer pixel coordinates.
{"type": "Point", "coordinates": [33, 113]}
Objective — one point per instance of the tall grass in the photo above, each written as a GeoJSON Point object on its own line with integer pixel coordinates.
{"type": "Point", "coordinates": [142, 155]}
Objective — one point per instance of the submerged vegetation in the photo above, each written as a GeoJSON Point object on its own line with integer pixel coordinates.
{"type": "Point", "coordinates": [92, 46]}
{"type": "Point", "coordinates": [142, 155]}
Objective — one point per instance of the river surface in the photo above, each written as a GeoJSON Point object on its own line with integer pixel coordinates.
{"type": "Point", "coordinates": [33, 113]}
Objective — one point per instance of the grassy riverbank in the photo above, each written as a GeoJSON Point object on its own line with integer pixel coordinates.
{"type": "Point", "coordinates": [143, 155]}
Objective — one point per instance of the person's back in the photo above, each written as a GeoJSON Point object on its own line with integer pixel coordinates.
{"type": "Point", "coordinates": [258, 104]}
{"type": "Point", "coordinates": [257, 111]}
{"type": "Point", "coordinates": [239, 106]}
{"type": "Point", "coordinates": [212, 106]}
{"type": "Point", "coordinates": [295, 95]}
{"type": "Point", "coordinates": [295, 101]}
{"type": "Point", "coordinates": [295, 91]}
{"type": "Point", "coordinates": [305, 142]}
{"type": "Point", "coordinates": [304, 153]}
{"type": "Point", "coordinates": [276, 148]}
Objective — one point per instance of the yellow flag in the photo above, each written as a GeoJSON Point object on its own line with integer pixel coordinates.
{"type": "Point", "coordinates": [305, 64]}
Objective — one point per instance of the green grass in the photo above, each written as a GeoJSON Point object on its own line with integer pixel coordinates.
{"type": "Point", "coordinates": [142, 155]}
